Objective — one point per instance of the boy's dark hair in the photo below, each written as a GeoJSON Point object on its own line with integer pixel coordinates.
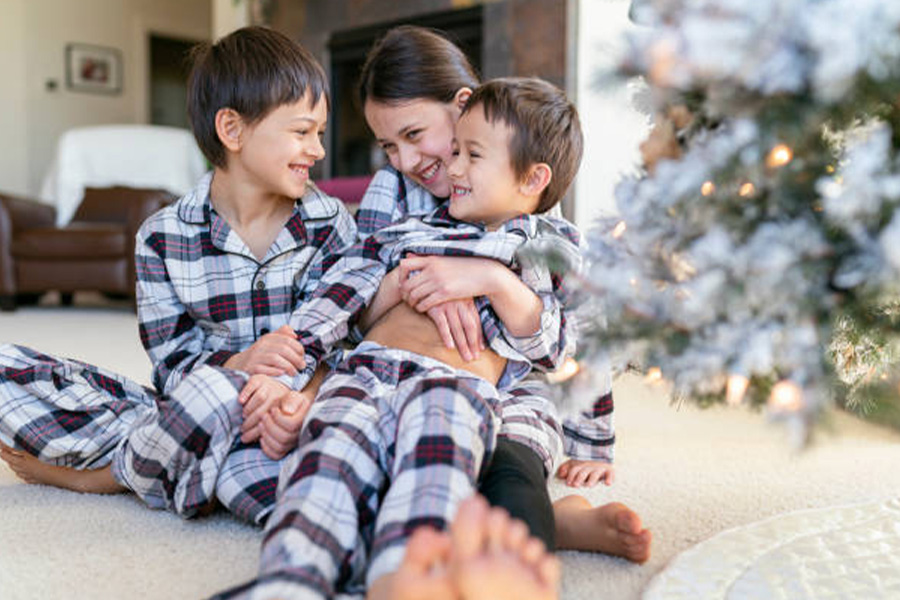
{"type": "Point", "coordinates": [412, 62]}
{"type": "Point", "coordinates": [545, 129]}
{"type": "Point", "coordinates": [253, 71]}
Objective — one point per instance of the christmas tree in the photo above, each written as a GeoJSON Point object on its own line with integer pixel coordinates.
{"type": "Point", "coordinates": [756, 258]}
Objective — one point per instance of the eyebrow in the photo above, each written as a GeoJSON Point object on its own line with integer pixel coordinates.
{"type": "Point", "coordinates": [304, 118]}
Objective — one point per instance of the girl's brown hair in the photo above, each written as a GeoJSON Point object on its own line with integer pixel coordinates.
{"type": "Point", "coordinates": [412, 62]}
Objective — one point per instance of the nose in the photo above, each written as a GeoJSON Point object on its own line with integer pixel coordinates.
{"type": "Point", "coordinates": [455, 168]}
{"type": "Point", "coordinates": [317, 150]}
{"type": "Point", "coordinates": [407, 158]}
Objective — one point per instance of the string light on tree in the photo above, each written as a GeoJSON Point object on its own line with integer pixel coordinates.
{"type": "Point", "coordinates": [779, 156]}
{"type": "Point", "coordinates": [786, 396]}
{"type": "Point", "coordinates": [736, 389]}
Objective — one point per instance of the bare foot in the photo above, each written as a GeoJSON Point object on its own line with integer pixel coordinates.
{"type": "Point", "coordinates": [493, 556]}
{"type": "Point", "coordinates": [31, 470]}
{"type": "Point", "coordinates": [612, 529]}
{"type": "Point", "coordinates": [423, 573]}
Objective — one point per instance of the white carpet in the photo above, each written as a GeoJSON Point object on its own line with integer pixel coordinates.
{"type": "Point", "coordinates": [691, 474]}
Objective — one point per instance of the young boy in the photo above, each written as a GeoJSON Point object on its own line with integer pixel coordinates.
{"type": "Point", "coordinates": [219, 272]}
{"type": "Point", "coordinates": [401, 428]}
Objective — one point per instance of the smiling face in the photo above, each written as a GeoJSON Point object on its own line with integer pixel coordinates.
{"type": "Point", "coordinates": [485, 188]}
{"type": "Point", "coordinates": [417, 136]}
{"type": "Point", "coordinates": [277, 151]}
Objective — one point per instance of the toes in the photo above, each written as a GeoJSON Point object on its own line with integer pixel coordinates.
{"type": "Point", "coordinates": [533, 551]}
{"type": "Point", "coordinates": [497, 525]}
{"type": "Point", "coordinates": [426, 548]}
{"type": "Point", "coordinates": [627, 521]}
{"type": "Point", "coordinates": [516, 535]}
{"type": "Point", "coordinates": [468, 529]}
{"type": "Point", "coordinates": [550, 571]}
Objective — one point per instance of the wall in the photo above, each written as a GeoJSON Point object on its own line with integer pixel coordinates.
{"type": "Point", "coordinates": [13, 153]}
{"type": "Point", "coordinates": [228, 15]}
{"type": "Point", "coordinates": [613, 129]}
{"type": "Point", "coordinates": [36, 33]}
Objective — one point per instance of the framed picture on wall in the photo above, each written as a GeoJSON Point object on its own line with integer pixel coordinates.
{"type": "Point", "coordinates": [96, 69]}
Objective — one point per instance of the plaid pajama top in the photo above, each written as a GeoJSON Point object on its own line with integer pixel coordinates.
{"type": "Point", "coordinates": [392, 197]}
{"type": "Point", "coordinates": [348, 287]}
{"type": "Point", "coordinates": [202, 296]}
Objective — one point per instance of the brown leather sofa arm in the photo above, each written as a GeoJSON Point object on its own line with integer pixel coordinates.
{"type": "Point", "coordinates": [17, 214]}
{"type": "Point", "coordinates": [25, 213]}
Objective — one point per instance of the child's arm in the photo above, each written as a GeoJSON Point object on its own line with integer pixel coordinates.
{"type": "Point", "coordinates": [537, 327]}
{"type": "Point", "coordinates": [589, 439]}
{"type": "Point", "coordinates": [274, 353]}
{"type": "Point", "coordinates": [438, 279]}
{"type": "Point", "coordinates": [386, 298]}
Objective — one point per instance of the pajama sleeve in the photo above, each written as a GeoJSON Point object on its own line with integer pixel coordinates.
{"type": "Point", "coordinates": [591, 435]}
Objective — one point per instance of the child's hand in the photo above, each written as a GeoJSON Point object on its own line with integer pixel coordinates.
{"type": "Point", "coordinates": [275, 353]}
{"type": "Point", "coordinates": [586, 473]}
{"type": "Point", "coordinates": [280, 427]}
{"type": "Point", "coordinates": [460, 327]}
{"type": "Point", "coordinates": [438, 279]}
{"type": "Point", "coordinates": [259, 394]}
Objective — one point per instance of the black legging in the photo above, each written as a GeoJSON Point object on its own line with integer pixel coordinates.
{"type": "Point", "coordinates": [516, 480]}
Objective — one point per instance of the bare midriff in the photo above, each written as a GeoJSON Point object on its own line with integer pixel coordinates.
{"type": "Point", "coordinates": [404, 328]}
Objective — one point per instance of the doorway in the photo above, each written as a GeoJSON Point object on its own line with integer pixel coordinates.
{"type": "Point", "coordinates": [169, 68]}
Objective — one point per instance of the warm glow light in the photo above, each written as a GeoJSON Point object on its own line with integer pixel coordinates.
{"type": "Point", "coordinates": [779, 156]}
{"type": "Point", "coordinates": [829, 168]}
{"type": "Point", "coordinates": [654, 375]}
{"type": "Point", "coordinates": [736, 389]}
{"type": "Point", "coordinates": [786, 397]}
{"type": "Point", "coordinates": [618, 230]}
{"type": "Point", "coordinates": [568, 370]}
{"type": "Point", "coordinates": [747, 190]}
{"type": "Point", "coordinates": [633, 282]}
{"type": "Point", "coordinates": [708, 188]}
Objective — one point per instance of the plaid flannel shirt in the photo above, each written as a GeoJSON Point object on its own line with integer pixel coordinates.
{"type": "Point", "coordinates": [202, 296]}
{"type": "Point", "coordinates": [392, 197]}
{"type": "Point", "coordinates": [349, 286]}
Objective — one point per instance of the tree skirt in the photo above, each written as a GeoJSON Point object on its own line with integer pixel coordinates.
{"type": "Point", "coordinates": [839, 552]}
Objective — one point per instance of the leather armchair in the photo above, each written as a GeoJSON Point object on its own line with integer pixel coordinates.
{"type": "Point", "coordinates": [94, 252]}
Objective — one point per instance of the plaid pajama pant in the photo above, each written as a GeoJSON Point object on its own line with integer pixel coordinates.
{"type": "Point", "coordinates": [176, 451]}
{"type": "Point", "coordinates": [394, 440]}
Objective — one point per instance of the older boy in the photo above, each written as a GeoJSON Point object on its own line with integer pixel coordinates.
{"type": "Point", "coordinates": [402, 427]}
{"type": "Point", "coordinates": [219, 272]}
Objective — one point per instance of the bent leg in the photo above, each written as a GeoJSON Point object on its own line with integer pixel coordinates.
{"type": "Point", "coordinates": [172, 460]}
{"type": "Point", "coordinates": [516, 481]}
{"type": "Point", "coordinates": [317, 537]}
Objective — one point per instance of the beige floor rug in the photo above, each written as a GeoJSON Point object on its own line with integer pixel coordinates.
{"type": "Point", "coordinates": [691, 474]}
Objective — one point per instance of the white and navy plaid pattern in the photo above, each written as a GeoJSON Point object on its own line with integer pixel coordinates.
{"type": "Point", "coordinates": [203, 296]}
{"type": "Point", "coordinates": [394, 440]}
{"type": "Point", "coordinates": [391, 198]}
{"type": "Point", "coordinates": [173, 458]}
{"type": "Point", "coordinates": [66, 412]}
{"type": "Point", "coordinates": [589, 435]}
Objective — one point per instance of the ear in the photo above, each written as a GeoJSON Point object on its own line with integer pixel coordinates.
{"type": "Point", "coordinates": [462, 96]}
{"type": "Point", "coordinates": [536, 179]}
{"type": "Point", "coordinates": [229, 128]}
